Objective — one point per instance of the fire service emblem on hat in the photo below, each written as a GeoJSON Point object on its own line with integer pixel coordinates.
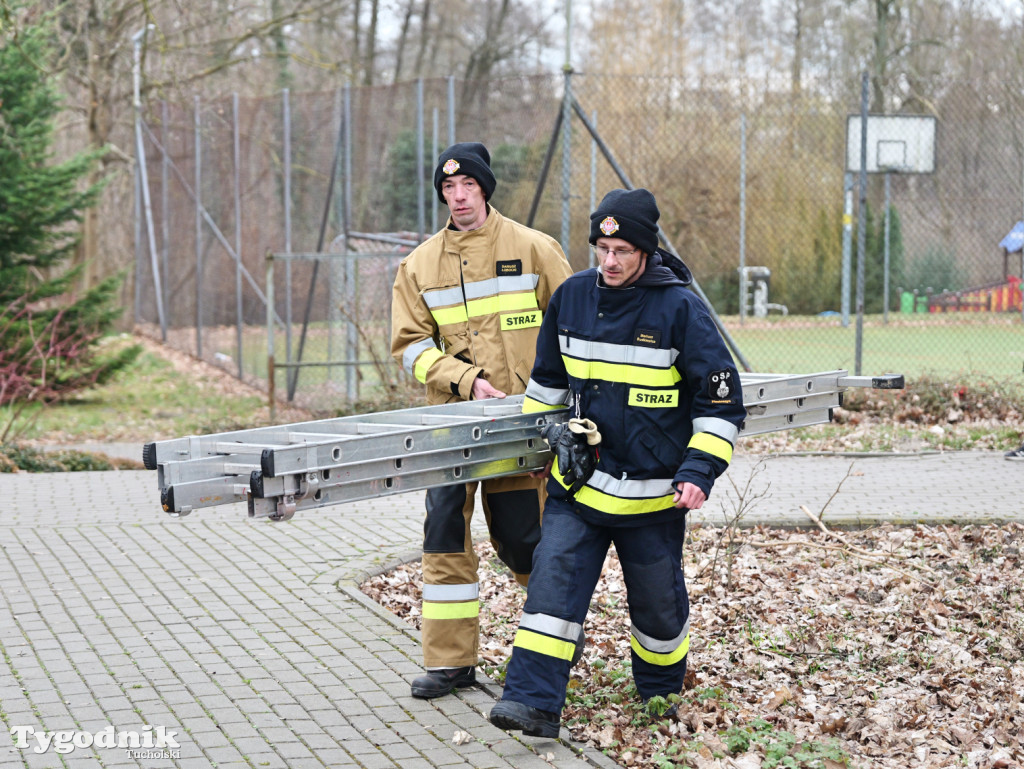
{"type": "Point", "coordinates": [609, 225]}
{"type": "Point", "coordinates": [450, 166]}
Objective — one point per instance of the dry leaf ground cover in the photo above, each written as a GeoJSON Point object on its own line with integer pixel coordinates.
{"type": "Point", "coordinates": [888, 647]}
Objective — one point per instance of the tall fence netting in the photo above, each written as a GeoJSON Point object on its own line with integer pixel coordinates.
{"type": "Point", "coordinates": [347, 175]}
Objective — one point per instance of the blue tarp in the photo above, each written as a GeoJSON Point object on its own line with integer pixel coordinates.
{"type": "Point", "coordinates": [1014, 240]}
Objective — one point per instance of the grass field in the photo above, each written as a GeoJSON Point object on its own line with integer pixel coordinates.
{"type": "Point", "coordinates": [948, 345]}
{"type": "Point", "coordinates": [939, 345]}
{"type": "Point", "coordinates": [167, 394]}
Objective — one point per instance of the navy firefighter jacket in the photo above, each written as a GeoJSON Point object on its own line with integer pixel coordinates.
{"type": "Point", "coordinates": [649, 367]}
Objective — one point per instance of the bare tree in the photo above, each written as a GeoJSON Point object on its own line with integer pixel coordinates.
{"type": "Point", "coordinates": [403, 38]}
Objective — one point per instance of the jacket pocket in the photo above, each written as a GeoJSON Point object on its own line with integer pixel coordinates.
{"type": "Point", "coordinates": [659, 448]}
{"type": "Point", "coordinates": [457, 345]}
{"type": "Point", "coordinates": [523, 373]}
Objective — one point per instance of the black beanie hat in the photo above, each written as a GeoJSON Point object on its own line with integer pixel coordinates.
{"type": "Point", "coordinates": [469, 158]}
{"type": "Point", "coordinates": [628, 214]}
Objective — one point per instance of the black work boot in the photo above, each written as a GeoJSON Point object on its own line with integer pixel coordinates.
{"type": "Point", "coordinates": [437, 683]}
{"type": "Point", "coordinates": [515, 716]}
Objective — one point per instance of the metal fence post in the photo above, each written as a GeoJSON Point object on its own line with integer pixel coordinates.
{"type": "Point", "coordinates": [434, 152]}
{"type": "Point", "coordinates": [593, 180]}
{"type": "Point", "coordinates": [451, 110]}
{"type": "Point", "coordinates": [164, 204]}
{"type": "Point", "coordinates": [140, 160]}
{"type": "Point", "coordinates": [351, 265]}
{"type": "Point", "coordinates": [885, 269]}
{"type": "Point", "coordinates": [138, 240]}
{"type": "Point", "coordinates": [847, 247]}
{"type": "Point", "coordinates": [286, 119]}
{"type": "Point", "coordinates": [421, 188]}
{"type": "Point", "coordinates": [743, 217]}
{"type": "Point", "coordinates": [238, 228]}
{"type": "Point", "coordinates": [862, 216]}
{"type": "Point", "coordinates": [336, 268]}
{"type": "Point", "coordinates": [566, 158]}
{"type": "Point", "coordinates": [198, 179]}
{"type": "Point", "coordinates": [271, 395]}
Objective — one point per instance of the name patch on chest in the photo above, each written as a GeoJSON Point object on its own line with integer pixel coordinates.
{"type": "Point", "coordinates": [511, 267]}
{"type": "Point", "coordinates": [653, 399]}
{"type": "Point", "coordinates": [528, 319]}
{"type": "Point", "coordinates": [646, 338]}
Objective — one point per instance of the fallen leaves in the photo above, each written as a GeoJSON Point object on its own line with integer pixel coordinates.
{"type": "Point", "coordinates": [891, 647]}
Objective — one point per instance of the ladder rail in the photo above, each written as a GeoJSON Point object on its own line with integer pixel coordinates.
{"type": "Point", "coordinates": [279, 470]}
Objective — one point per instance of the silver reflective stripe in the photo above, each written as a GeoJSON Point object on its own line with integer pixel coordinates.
{"type": "Point", "coordinates": [503, 284]}
{"type": "Point", "coordinates": [660, 647]}
{"type": "Point", "coordinates": [413, 351]}
{"type": "Point", "coordinates": [627, 489]}
{"type": "Point", "coordinates": [727, 431]}
{"type": "Point", "coordinates": [443, 297]}
{"type": "Point", "coordinates": [467, 592]}
{"type": "Point", "coordinates": [553, 626]}
{"type": "Point", "coordinates": [617, 353]}
{"type": "Point", "coordinates": [550, 395]}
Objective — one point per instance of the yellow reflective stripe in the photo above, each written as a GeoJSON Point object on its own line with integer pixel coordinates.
{"type": "Point", "coordinates": [460, 610]}
{"type": "Point", "coordinates": [653, 399]}
{"type": "Point", "coordinates": [530, 406]}
{"type": "Point", "coordinates": [491, 305]}
{"type": "Point", "coordinates": [446, 316]}
{"type": "Point", "coordinates": [424, 362]}
{"type": "Point", "coordinates": [661, 659]}
{"type": "Point", "coordinates": [542, 644]}
{"type": "Point", "coordinates": [713, 445]}
{"type": "Point", "coordinates": [530, 319]}
{"type": "Point", "coordinates": [621, 372]}
{"type": "Point", "coordinates": [608, 503]}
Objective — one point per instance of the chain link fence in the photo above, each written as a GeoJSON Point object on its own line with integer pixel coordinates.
{"type": "Point", "coordinates": [335, 187]}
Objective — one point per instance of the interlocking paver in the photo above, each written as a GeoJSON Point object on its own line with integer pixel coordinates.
{"type": "Point", "coordinates": [249, 641]}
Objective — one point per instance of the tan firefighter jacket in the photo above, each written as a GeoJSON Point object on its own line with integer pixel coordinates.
{"type": "Point", "coordinates": [469, 304]}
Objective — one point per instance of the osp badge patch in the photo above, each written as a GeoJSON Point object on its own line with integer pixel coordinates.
{"type": "Point", "coordinates": [451, 166]}
{"type": "Point", "coordinates": [609, 225]}
{"type": "Point", "coordinates": [720, 386]}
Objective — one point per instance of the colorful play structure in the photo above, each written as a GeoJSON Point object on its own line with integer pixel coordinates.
{"type": "Point", "coordinates": [1001, 296]}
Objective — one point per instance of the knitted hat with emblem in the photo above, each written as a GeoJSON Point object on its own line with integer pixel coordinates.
{"type": "Point", "coordinates": [469, 158]}
{"type": "Point", "coordinates": [628, 214]}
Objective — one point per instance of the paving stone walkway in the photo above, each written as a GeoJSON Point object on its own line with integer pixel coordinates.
{"type": "Point", "coordinates": [216, 641]}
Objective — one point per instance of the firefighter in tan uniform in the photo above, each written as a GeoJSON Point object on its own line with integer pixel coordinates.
{"type": "Point", "coordinates": [467, 308]}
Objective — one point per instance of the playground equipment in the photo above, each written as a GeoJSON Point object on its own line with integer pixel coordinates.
{"type": "Point", "coordinates": [755, 291]}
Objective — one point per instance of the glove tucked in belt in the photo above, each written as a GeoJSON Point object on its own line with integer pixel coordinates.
{"type": "Point", "coordinates": [575, 447]}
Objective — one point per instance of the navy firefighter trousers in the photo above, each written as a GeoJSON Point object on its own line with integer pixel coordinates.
{"type": "Point", "coordinates": [566, 566]}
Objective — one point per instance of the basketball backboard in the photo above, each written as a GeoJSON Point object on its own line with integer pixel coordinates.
{"type": "Point", "coordinates": [896, 143]}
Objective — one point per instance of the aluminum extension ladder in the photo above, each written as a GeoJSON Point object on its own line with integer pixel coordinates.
{"type": "Point", "coordinates": [281, 470]}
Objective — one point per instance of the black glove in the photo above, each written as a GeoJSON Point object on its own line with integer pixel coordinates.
{"type": "Point", "coordinates": [575, 447]}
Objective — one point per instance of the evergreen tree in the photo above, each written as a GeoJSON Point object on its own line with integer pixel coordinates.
{"type": "Point", "coordinates": [49, 337]}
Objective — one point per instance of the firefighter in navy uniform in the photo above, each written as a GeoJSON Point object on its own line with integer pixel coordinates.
{"type": "Point", "coordinates": [639, 360]}
{"type": "Point", "coordinates": [467, 307]}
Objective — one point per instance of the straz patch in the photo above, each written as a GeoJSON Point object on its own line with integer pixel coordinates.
{"type": "Point", "coordinates": [511, 267]}
{"type": "Point", "coordinates": [645, 338]}
{"type": "Point", "coordinates": [451, 166]}
{"type": "Point", "coordinates": [528, 319]}
{"type": "Point", "coordinates": [609, 225]}
{"type": "Point", "coordinates": [653, 399]}
{"type": "Point", "coordinates": [720, 386]}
